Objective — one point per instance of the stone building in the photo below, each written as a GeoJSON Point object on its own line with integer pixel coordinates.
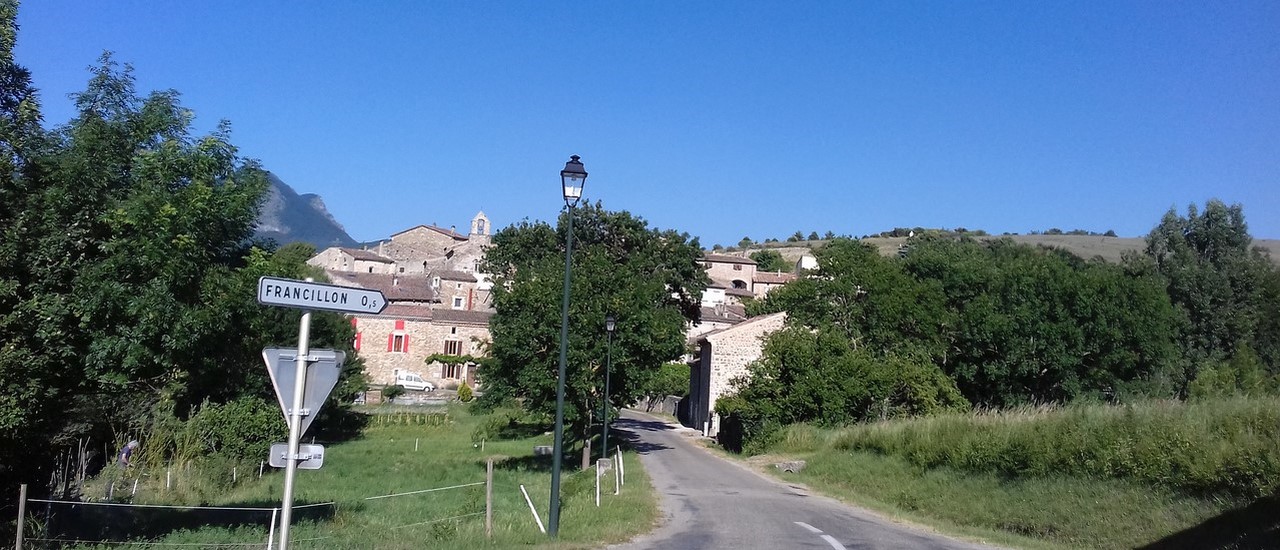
{"type": "Point", "coordinates": [438, 301]}
{"type": "Point", "coordinates": [766, 281]}
{"type": "Point", "coordinates": [724, 355]}
{"type": "Point", "coordinates": [734, 272]}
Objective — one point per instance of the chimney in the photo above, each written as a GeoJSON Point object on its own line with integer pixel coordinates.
{"type": "Point", "coordinates": [380, 247]}
{"type": "Point", "coordinates": [453, 229]}
{"type": "Point", "coordinates": [395, 280]}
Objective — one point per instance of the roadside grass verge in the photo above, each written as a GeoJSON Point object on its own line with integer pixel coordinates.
{"type": "Point", "coordinates": [383, 461]}
{"type": "Point", "coordinates": [1168, 474]}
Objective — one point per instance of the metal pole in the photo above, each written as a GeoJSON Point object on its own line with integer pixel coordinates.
{"type": "Point", "coordinates": [553, 515]}
{"type": "Point", "coordinates": [295, 426]}
{"type": "Point", "coordinates": [22, 514]}
{"type": "Point", "coordinates": [604, 413]}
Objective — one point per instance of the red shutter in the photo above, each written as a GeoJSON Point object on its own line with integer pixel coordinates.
{"type": "Point", "coordinates": [406, 342]}
{"type": "Point", "coordinates": [391, 339]}
{"type": "Point", "coordinates": [399, 324]}
{"type": "Point", "coordinates": [353, 322]}
{"type": "Point", "coordinates": [358, 334]}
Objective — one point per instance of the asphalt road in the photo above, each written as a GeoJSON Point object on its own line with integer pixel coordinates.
{"type": "Point", "coordinates": [713, 503]}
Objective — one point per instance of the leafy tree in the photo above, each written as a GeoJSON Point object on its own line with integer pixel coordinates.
{"type": "Point", "coordinates": [813, 235]}
{"type": "Point", "coordinates": [770, 260]}
{"type": "Point", "coordinates": [650, 279]}
{"type": "Point", "coordinates": [796, 237]}
{"type": "Point", "coordinates": [717, 247]}
{"type": "Point", "coordinates": [126, 272]}
{"type": "Point", "coordinates": [1215, 279]}
{"type": "Point", "coordinates": [745, 242]}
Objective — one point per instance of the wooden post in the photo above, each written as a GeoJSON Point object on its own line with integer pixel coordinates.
{"type": "Point", "coordinates": [488, 500]}
{"type": "Point", "coordinates": [22, 514]}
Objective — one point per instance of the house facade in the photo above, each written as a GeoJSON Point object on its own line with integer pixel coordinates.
{"type": "Point", "coordinates": [722, 356]}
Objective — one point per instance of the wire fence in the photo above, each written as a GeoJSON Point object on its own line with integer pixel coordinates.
{"type": "Point", "coordinates": [115, 523]}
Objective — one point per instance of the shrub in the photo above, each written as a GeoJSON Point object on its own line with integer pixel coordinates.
{"type": "Point", "coordinates": [392, 392]}
{"type": "Point", "coordinates": [464, 393]}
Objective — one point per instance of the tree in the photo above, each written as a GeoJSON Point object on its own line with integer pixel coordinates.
{"type": "Point", "coordinates": [770, 260]}
{"type": "Point", "coordinates": [813, 235]}
{"type": "Point", "coordinates": [1214, 278]}
{"type": "Point", "coordinates": [796, 237]}
{"type": "Point", "coordinates": [650, 279]}
{"type": "Point", "coordinates": [127, 274]}
{"type": "Point", "coordinates": [745, 242]}
{"type": "Point", "coordinates": [828, 236]}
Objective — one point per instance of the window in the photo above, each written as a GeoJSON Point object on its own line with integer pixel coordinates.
{"type": "Point", "coordinates": [435, 282]}
{"type": "Point", "coordinates": [398, 340]}
{"type": "Point", "coordinates": [402, 270]}
{"type": "Point", "coordinates": [370, 269]}
{"type": "Point", "coordinates": [451, 371]}
{"type": "Point", "coordinates": [457, 302]}
{"type": "Point", "coordinates": [737, 267]}
{"type": "Point", "coordinates": [453, 330]}
{"type": "Point", "coordinates": [453, 347]}
{"type": "Point", "coordinates": [480, 226]}
{"type": "Point", "coordinates": [459, 286]}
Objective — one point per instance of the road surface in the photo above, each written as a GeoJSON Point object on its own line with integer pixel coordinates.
{"type": "Point", "coordinates": [714, 503]}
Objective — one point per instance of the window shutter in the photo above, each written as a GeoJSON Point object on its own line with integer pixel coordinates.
{"type": "Point", "coordinates": [391, 341]}
{"type": "Point", "coordinates": [406, 342]}
{"type": "Point", "coordinates": [358, 334]}
{"type": "Point", "coordinates": [399, 324]}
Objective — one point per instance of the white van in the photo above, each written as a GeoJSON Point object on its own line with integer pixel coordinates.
{"type": "Point", "coordinates": [412, 381]}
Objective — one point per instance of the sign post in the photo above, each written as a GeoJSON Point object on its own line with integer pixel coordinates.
{"type": "Point", "coordinates": [307, 295]}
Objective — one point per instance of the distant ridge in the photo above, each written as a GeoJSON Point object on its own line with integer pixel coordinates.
{"type": "Point", "coordinates": [288, 217]}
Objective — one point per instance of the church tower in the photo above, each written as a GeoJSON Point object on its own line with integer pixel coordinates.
{"type": "Point", "coordinates": [480, 228]}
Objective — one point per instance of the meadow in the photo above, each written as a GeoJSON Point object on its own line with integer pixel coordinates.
{"type": "Point", "coordinates": [1157, 474]}
{"type": "Point", "coordinates": [400, 451]}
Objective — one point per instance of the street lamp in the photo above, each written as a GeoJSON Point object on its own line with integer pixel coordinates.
{"type": "Point", "coordinates": [572, 179]}
{"type": "Point", "coordinates": [609, 323]}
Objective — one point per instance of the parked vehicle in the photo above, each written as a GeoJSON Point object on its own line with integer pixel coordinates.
{"type": "Point", "coordinates": [412, 381]}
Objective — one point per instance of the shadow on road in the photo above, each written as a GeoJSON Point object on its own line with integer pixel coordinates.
{"type": "Point", "coordinates": [629, 428]}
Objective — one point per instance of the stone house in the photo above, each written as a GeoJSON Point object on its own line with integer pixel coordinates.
{"type": "Point", "coordinates": [766, 281]}
{"type": "Point", "coordinates": [438, 301]}
{"type": "Point", "coordinates": [734, 272]}
{"type": "Point", "coordinates": [724, 355]}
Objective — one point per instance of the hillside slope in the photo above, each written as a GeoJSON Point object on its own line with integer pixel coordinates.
{"type": "Point", "coordinates": [289, 217]}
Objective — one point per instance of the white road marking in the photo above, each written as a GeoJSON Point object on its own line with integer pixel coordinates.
{"type": "Point", "coordinates": [833, 542]}
{"type": "Point", "coordinates": [809, 527]}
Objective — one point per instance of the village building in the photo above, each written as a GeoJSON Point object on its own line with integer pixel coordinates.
{"type": "Point", "coordinates": [724, 355]}
{"type": "Point", "coordinates": [438, 301]}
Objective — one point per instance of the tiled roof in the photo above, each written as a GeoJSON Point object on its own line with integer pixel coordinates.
{"type": "Point", "coordinates": [408, 311]}
{"type": "Point", "coordinates": [725, 259]}
{"type": "Point", "coordinates": [462, 316]}
{"type": "Point", "coordinates": [723, 314]}
{"type": "Point", "coordinates": [446, 232]}
{"type": "Point", "coordinates": [394, 287]}
{"type": "Point", "coordinates": [774, 278]}
{"type": "Point", "coordinates": [367, 255]}
{"type": "Point", "coordinates": [740, 292]}
{"type": "Point", "coordinates": [456, 276]}
{"type": "Point", "coordinates": [741, 325]}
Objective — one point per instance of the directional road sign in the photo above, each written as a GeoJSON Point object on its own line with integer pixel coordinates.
{"type": "Point", "coordinates": [323, 366]}
{"type": "Point", "coordinates": [310, 457]}
{"type": "Point", "coordinates": [274, 291]}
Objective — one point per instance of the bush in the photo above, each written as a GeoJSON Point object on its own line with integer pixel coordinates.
{"type": "Point", "coordinates": [464, 393]}
{"type": "Point", "coordinates": [392, 392]}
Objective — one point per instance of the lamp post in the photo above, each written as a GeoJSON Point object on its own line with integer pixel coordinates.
{"type": "Point", "coordinates": [609, 323]}
{"type": "Point", "coordinates": [572, 179]}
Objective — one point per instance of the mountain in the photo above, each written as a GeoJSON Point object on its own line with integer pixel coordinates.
{"type": "Point", "coordinates": [288, 217]}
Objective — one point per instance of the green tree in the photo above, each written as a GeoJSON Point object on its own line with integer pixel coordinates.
{"type": "Point", "coordinates": [795, 237]}
{"type": "Point", "coordinates": [650, 279]}
{"type": "Point", "coordinates": [127, 275]}
{"type": "Point", "coordinates": [813, 235]}
{"type": "Point", "coordinates": [1214, 278]}
{"type": "Point", "coordinates": [770, 260]}
{"type": "Point", "coordinates": [828, 235]}
{"type": "Point", "coordinates": [745, 242]}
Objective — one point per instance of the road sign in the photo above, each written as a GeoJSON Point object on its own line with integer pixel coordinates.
{"type": "Point", "coordinates": [323, 366]}
{"type": "Point", "coordinates": [274, 291]}
{"type": "Point", "coordinates": [310, 457]}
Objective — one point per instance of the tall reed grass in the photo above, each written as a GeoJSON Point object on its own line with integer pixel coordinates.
{"type": "Point", "coordinates": [1228, 447]}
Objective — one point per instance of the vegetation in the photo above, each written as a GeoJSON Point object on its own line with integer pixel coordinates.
{"type": "Point", "coordinates": [401, 450]}
{"type": "Point", "coordinates": [1100, 476]}
{"type": "Point", "coordinates": [127, 278]}
{"type": "Point", "coordinates": [651, 280]}
{"type": "Point", "coordinates": [770, 260]}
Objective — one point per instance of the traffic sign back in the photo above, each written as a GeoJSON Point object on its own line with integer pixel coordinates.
{"type": "Point", "coordinates": [323, 367]}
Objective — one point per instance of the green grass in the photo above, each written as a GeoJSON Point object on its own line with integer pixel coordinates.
{"type": "Point", "coordinates": [383, 461]}
{"type": "Point", "coordinates": [1081, 476]}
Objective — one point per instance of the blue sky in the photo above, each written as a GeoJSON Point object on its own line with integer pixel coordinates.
{"type": "Point", "coordinates": [722, 119]}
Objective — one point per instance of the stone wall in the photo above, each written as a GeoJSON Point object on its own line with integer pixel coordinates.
{"type": "Point", "coordinates": [425, 339]}
{"type": "Point", "coordinates": [725, 356]}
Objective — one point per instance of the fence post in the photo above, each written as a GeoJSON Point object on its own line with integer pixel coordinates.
{"type": "Point", "coordinates": [488, 500]}
{"type": "Point", "coordinates": [22, 514]}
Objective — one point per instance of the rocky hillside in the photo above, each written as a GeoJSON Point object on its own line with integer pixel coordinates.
{"type": "Point", "coordinates": [289, 217]}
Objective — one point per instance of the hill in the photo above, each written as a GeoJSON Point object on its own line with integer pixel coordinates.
{"type": "Point", "coordinates": [1086, 246]}
{"type": "Point", "coordinates": [289, 217]}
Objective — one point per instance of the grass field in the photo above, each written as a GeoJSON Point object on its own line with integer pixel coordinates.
{"type": "Point", "coordinates": [383, 462]}
{"type": "Point", "coordinates": [1079, 477]}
